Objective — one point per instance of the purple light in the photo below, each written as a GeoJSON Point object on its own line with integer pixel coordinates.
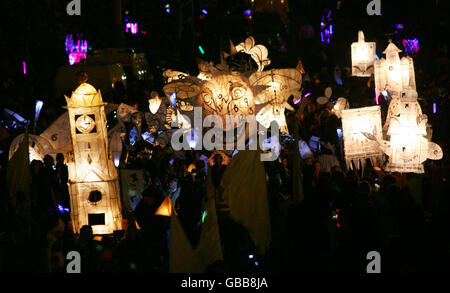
{"type": "Point", "coordinates": [411, 45]}
{"type": "Point", "coordinates": [399, 26]}
{"type": "Point", "coordinates": [168, 10]}
{"type": "Point", "coordinates": [76, 51]}
{"type": "Point", "coordinates": [376, 97]}
{"type": "Point", "coordinates": [205, 11]}
{"type": "Point", "coordinates": [307, 95]}
{"type": "Point", "coordinates": [248, 12]}
{"type": "Point", "coordinates": [297, 101]}
{"type": "Point", "coordinates": [24, 67]}
{"type": "Point", "coordinates": [132, 26]}
{"type": "Point", "coordinates": [434, 108]}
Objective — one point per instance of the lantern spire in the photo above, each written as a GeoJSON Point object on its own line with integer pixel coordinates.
{"type": "Point", "coordinates": [360, 36]}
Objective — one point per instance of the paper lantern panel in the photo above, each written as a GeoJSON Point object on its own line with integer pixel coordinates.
{"type": "Point", "coordinates": [357, 147]}
{"type": "Point", "coordinates": [363, 57]}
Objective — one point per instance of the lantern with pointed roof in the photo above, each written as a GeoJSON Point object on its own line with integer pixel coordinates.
{"type": "Point", "coordinates": [394, 74]}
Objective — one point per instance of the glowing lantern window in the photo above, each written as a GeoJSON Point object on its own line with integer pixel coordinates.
{"type": "Point", "coordinates": [363, 57]}
{"type": "Point", "coordinates": [394, 74]}
{"type": "Point", "coordinates": [357, 147]}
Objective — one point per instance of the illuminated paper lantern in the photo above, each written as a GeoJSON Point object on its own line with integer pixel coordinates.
{"type": "Point", "coordinates": [357, 147]}
{"type": "Point", "coordinates": [166, 208]}
{"type": "Point", "coordinates": [341, 104]}
{"type": "Point", "coordinates": [259, 53]}
{"type": "Point", "coordinates": [279, 85]}
{"type": "Point", "coordinates": [408, 145]}
{"type": "Point", "coordinates": [93, 180]}
{"type": "Point", "coordinates": [227, 95]}
{"type": "Point", "coordinates": [394, 74]}
{"type": "Point", "coordinates": [363, 57]}
{"type": "Point", "coordinates": [38, 147]}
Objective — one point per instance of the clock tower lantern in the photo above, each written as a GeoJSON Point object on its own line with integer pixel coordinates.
{"type": "Point", "coordinates": [93, 180]}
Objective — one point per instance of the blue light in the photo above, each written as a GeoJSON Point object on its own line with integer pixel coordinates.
{"type": "Point", "coordinates": [376, 57]}
{"type": "Point", "coordinates": [434, 108]}
{"type": "Point", "coordinates": [385, 93]}
{"type": "Point", "coordinates": [205, 11]}
{"type": "Point", "coordinates": [248, 12]}
{"type": "Point", "coordinates": [250, 256]}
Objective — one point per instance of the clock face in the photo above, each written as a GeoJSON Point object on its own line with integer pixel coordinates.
{"type": "Point", "coordinates": [85, 124]}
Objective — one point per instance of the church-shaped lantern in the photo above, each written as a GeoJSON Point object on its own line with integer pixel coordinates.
{"type": "Point", "coordinates": [394, 74]}
{"type": "Point", "coordinates": [93, 180]}
{"type": "Point", "coordinates": [363, 57]}
{"type": "Point", "coordinates": [408, 145]}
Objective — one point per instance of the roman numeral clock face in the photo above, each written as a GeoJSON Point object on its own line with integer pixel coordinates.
{"type": "Point", "coordinates": [85, 123]}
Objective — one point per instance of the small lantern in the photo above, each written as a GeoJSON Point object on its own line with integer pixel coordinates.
{"type": "Point", "coordinates": [357, 147]}
{"type": "Point", "coordinates": [363, 57]}
{"type": "Point", "coordinates": [394, 74]}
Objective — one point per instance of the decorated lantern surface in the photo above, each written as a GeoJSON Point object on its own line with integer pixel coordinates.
{"type": "Point", "coordinates": [93, 180]}
{"type": "Point", "coordinates": [280, 85]}
{"type": "Point", "coordinates": [357, 147]}
{"type": "Point", "coordinates": [227, 94]}
{"type": "Point", "coordinates": [363, 57]}
{"type": "Point", "coordinates": [394, 74]}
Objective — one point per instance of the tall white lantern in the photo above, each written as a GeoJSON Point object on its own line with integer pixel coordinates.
{"type": "Point", "coordinates": [363, 57]}
{"type": "Point", "coordinates": [394, 74]}
{"type": "Point", "coordinates": [357, 147]}
{"type": "Point", "coordinates": [409, 147]}
{"type": "Point", "coordinates": [93, 180]}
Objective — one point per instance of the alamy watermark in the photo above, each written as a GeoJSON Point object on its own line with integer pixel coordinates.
{"type": "Point", "coordinates": [74, 7]}
{"type": "Point", "coordinates": [243, 133]}
{"type": "Point", "coordinates": [374, 7]}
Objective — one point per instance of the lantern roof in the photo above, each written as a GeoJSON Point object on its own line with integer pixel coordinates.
{"type": "Point", "coordinates": [391, 48]}
{"type": "Point", "coordinates": [85, 95]}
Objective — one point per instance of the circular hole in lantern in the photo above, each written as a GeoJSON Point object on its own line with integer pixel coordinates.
{"type": "Point", "coordinates": [95, 196]}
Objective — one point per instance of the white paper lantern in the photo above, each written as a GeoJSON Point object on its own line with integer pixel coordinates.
{"type": "Point", "coordinates": [394, 74]}
{"type": "Point", "coordinates": [93, 180]}
{"type": "Point", "coordinates": [409, 147]}
{"type": "Point", "coordinates": [357, 147]}
{"type": "Point", "coordinates": [363, 57]}
{"type": "Point", "coordinates": [280, 85]}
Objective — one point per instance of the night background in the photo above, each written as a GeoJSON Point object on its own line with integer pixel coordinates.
{"type": "Point", "coordinates": [177, 34]}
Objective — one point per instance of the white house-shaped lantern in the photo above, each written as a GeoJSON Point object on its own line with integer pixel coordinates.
{"type": "Point", "coordinates": [357, 147]}
{"type": "Point", "coordinates": [394, 74]}
{"type": "Point", "coordinates": [93, 181]}
{"type": "Point", "coordinates": [408, 146]}
{"type": "Point", "coordinates": [363, 57]}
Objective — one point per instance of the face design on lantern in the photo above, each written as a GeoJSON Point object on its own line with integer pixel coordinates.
{"type": "Point", "coordinates": [227, 95]}
{"type": "Point", "coordinates": [85, 124]}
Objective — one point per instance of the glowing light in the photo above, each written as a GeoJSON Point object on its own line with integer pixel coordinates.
{"type": "Point", "coordinates": [205, 213]}
{"type": "Point", "coordinates": [385, 93]}
{"type": "Point", "coordinates": [205, 11]}
{"type": "Point", "coordinates": [248, 12]}
{"type": "Point", "coordinates": [434, 108]}
{"type": "Point", "coordinates": [399, 26]}
{"type": "Point", "coordinates": [411, 45]}
{"type": "Point", "coordinates": [250, 256]}
{"type": "Point", "coordinates": [201, 50]}
{"type": "Point", "coordinates": [116, 162]}
{"type": "Point", "coordinates": [38, 109]}
{"type": "Point", "coordinates": [132, 27]}
{"type": "Point", "coordinates": [24, 67]}
{"type": "Point", "coordinates": [307, 95]}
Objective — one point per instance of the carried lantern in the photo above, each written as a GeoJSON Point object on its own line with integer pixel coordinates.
{"type": "Point", "coordinates": [394, 74]}
{"type": "Point", "coordinates": [357, 147]}
{"type": "Point", "coordinates": [93, 179]}
{"type": "Point", "coordinates": [363, 57]}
